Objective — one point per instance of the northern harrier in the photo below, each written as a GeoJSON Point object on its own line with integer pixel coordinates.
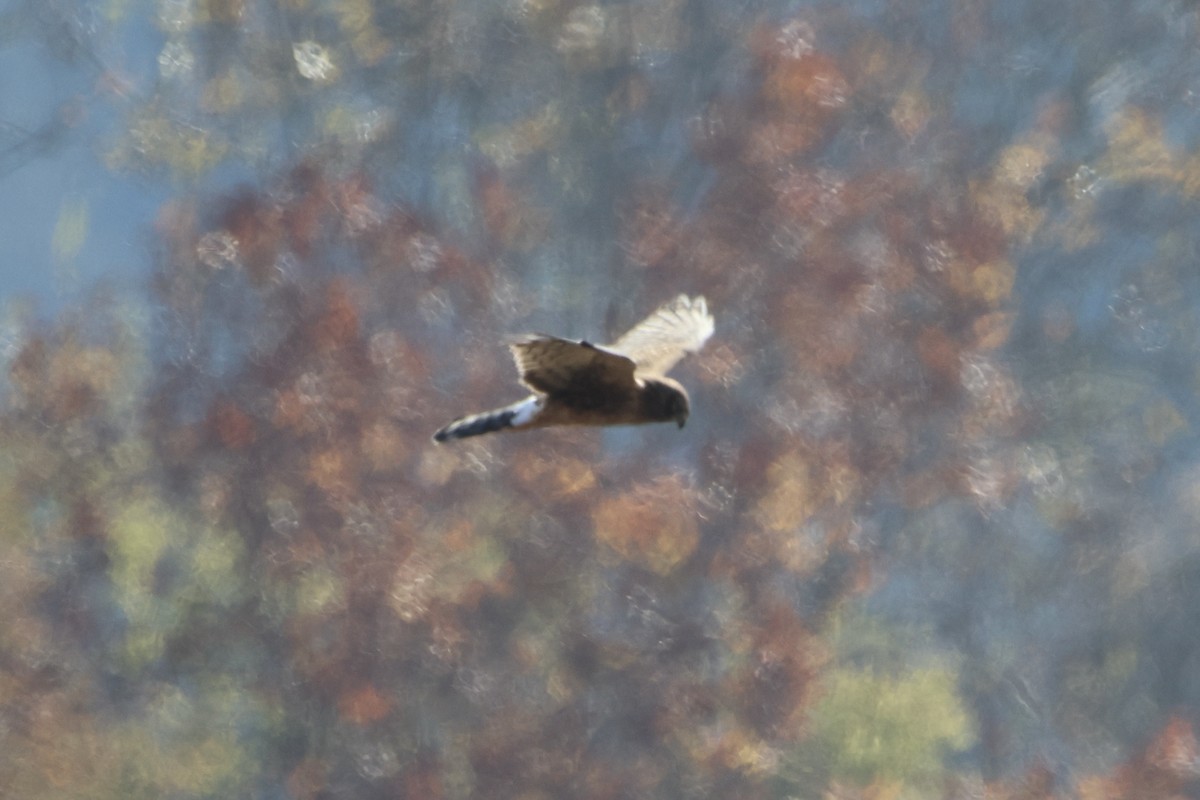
{"type": "Point", "coordinates": [579, 383]}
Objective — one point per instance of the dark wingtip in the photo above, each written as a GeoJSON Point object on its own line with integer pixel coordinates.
{"type": "Point", "coordinates": [441, 436]}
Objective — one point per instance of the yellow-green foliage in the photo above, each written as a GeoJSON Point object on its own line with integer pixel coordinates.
{"type": "Point", "coordinates": [156, 141]}
{"type": "Point", "coordinates": [319, 590]}
{"type": "Point", "coordinates": [183, 744]}
{"type": "Point", "coordinates": [214, 576]}
{"type": "Point", "coordinates": [141, 535]}
{"type": "Point", "coordinates": [876, 727]}
{"type": "Point", "coordinates": [71, 230]}
{"type": "Point", "coordinates": [201, 763]}
{"type": "Point", "coordinates": [179, 744]}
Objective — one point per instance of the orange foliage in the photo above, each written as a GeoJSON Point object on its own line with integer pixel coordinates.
{"type": "Point", "coordinates": [552, 477]}
{"type": "Point", "coordinates": [940, 354]}
{"type": "Point", "coordinates": [811, 85]}
{"type": "Point", "coordinates": [332, 470]}
{"type": "Point", "coordinates": [652, 232]}
{"type": "Point", "coordinates": [308, 779]}
{"type": "Point", "coordinates": [508, 215]}
{"type": "Point", "coordinates": [653, 526]}
{"type": "Point", "coordinates": [338, 325]}
{"type": "Point", "coordinates": [1168, 765]}
{"type": "Point", "coordinates": [234, 427]}
{"type": "Point", "coordinates": [861, 248]}
{"type": "Point", "coordinates": [364, 705]}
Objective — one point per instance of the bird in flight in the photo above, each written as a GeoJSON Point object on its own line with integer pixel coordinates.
{"type": "Point", "coordinates": [579, 383]}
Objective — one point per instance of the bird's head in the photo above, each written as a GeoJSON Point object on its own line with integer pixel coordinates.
{"type": "Point", "coordinates": [664, 400]}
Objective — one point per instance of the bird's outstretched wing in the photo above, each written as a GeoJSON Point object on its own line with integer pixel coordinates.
{"type": "Point", "coordinates": [552, 365]}
{"type": "Point", "coordinates": [658, 342]}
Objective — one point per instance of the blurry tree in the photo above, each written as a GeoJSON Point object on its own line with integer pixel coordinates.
{"type": "Point", "coordinates": [239, 567]}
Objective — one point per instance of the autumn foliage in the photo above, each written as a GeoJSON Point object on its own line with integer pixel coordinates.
{"type": "Point", "coordinates": [912, 543]}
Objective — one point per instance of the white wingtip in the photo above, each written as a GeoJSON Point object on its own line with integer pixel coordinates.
{"type": "Point", "coordinates": [699, 308]}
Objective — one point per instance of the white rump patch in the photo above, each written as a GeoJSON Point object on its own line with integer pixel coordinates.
{"type": "Point", "coordinates": [525, 411]}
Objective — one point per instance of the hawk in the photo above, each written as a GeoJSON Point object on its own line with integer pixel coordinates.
{"type": "Point", "coordinates": [579, 383]}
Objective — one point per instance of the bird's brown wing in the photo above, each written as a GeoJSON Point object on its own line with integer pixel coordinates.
{"type": "Point", "coordinates": [658, 342]}
{"type": "Point", "coordinates": [552, 365]}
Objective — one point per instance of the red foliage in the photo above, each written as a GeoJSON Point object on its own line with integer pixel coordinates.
{"type": "Point", "coordinates": [364, 705]}
{"type": "Point", "coordinates": [1169, 764]}
{"type": "Point", "coordinates": [233, 427]}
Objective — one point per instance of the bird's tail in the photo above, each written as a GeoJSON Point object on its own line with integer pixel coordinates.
{"type": "Point", "coordinates": [516, 415]}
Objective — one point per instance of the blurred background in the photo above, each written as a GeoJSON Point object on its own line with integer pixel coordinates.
{"type": "Point", "coordinates": [932, 530]}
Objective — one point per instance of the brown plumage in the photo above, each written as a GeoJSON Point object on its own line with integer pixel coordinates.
{"type": "Point", "coordinates": [579, 383]}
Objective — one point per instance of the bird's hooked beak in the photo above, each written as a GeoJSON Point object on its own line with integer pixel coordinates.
{"type": "Point", "coordinates": [680, 420]}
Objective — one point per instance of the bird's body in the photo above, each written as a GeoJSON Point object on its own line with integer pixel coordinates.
{"type": "Point", "coordinates": [579, 383]}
